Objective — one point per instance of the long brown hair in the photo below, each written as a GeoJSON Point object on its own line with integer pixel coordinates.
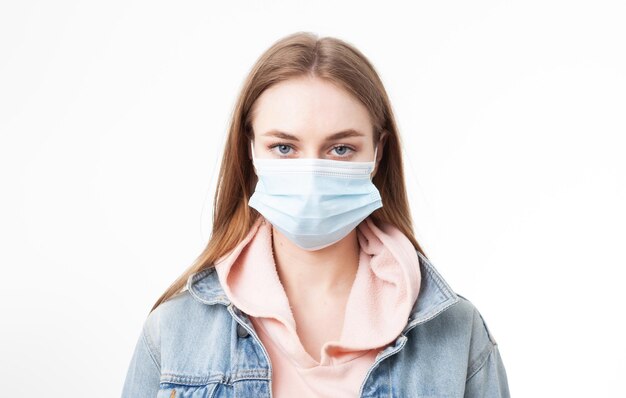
{"type": "Point", "coordinates": [298, 54]}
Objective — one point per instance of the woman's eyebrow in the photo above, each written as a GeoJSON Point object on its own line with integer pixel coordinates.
{"type": "Point", "coordinates": [341, 134]}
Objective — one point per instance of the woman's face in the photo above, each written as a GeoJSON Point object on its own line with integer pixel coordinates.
{"type": "Point", "coordinates": [308, 117]}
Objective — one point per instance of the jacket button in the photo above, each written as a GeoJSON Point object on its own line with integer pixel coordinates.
{"type": "Point", "coordinates": [241, 331]}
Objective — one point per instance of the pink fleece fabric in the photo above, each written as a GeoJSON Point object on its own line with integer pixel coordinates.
{"type": "Point", "coordinates": [382, 295]}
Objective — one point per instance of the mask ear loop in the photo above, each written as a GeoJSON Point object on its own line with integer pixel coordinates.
{"type": "Point", "coordinates": [253, 160]}
{"type": "Point", "coordinates": [375, 153]}
{"type": "Point", "coordinates": [257, 173]}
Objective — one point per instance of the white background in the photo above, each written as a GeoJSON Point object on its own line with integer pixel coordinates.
{"type": "Point", "coordinates": [113, 117]}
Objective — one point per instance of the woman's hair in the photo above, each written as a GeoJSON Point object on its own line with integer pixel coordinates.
{"type": "Point", "coordinates": [297, 55]}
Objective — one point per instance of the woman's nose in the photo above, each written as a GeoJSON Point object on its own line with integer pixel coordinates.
{"type": "Point", "coordinates": [312, 153]}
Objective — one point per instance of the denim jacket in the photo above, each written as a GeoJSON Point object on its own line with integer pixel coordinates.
{"type": "Point", "coordinates": [198, 344]}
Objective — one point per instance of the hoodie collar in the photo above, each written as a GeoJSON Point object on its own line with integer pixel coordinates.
{"type": "Point", "coordinates": [434, 297]}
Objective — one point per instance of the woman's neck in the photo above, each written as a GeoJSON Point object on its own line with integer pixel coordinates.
{"type": "Point", "coordinates": [309, 275]}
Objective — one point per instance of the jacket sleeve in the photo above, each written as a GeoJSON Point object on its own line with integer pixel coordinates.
{"type": "Point", "coordinates": [486, 376]}
{"type": "Point", "coordinates": [144, 371]}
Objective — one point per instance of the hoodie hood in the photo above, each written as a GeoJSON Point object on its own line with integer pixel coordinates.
{"type": "Point", "coordinates": [383, 293]}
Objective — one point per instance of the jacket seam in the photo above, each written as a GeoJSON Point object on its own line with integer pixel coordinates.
{"type": "Point", "coordinates": [484, 360]}
{"type": "Point", "coordinates": [146, 341]}
{"type": "Point", "coordinates": [486, 352]}
{"type": "Point", "coordinates": [489, 334]}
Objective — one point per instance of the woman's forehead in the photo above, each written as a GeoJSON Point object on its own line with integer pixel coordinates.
{"type": "Point", "coordinates": [306, 107]}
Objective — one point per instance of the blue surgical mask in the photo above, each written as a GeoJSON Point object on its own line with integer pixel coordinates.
{"type": "Point", "coordinates": [314, 202]}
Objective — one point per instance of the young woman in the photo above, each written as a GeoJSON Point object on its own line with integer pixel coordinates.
{"type": "Point", "coordinates": [312, 283]}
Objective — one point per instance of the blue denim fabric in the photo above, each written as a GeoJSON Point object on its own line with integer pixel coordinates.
{"type": "Point", "coordinates": [198, 344]}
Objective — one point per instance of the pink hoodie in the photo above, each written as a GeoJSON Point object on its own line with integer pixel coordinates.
{"type": "Point", "coordinates": [384, 290]}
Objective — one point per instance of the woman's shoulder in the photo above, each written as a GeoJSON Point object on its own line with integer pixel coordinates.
{"type": "Point", "coordinates": [461, 319]}
{"type": "Point", "coordinates": [455, 342]}
{"type": "Point", "coordinates": [457, 337]}
{"type": "Point", "coordinates": [183, 315]}
{"type": "Point", "coordinates": [479, 325]}
{"type": "Point", "coordinates": [201, 300]}
{"type": "Point", "coordinates": [464, 316]}
{"type": "Point", "coordinates": [439, 305]}
{"type": "Point", "coordinates": [182, 339]}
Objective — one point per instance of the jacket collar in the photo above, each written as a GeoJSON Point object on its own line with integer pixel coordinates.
{"type": "Point", "coordinates": [434, 297]}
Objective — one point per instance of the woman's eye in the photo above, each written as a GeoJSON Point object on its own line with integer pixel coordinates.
{"type": "Point", "coordinates": [341, 150]}
{"type": "Point", "coordinates": [282, 148]}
